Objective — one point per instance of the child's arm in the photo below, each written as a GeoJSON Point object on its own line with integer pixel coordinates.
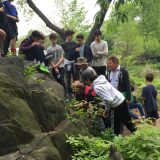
{"type": "Point", "coordinates": [61, 60]}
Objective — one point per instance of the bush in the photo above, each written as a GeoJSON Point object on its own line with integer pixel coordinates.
{"type": "Point", "coordinates": [144, 144]}
{"type": "Point", "coordinates": [89, 148]}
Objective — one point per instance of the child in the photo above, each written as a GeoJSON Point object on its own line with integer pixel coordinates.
{"type": "Point", "coordinates": [55, 54]}
{"type": "Point", "coordinates": [4, 27]}
{"type": "Point", "coordinates": [112, 97]}
{"type": "Point", "coordinates": [13, 18]}
{"type": "Point", "coordinates": [149, 95]}
{"type": "Point", "coordinates": [134, 104]}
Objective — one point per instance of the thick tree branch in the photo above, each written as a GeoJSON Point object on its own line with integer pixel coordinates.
{"type": "Point", "coordinates": [48, 23]}
{"type": "Point", "coordinates": [97, 25]}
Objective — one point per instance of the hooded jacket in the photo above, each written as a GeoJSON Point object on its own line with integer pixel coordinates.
{"type": "Point", "coordinates": [124, 82]}
{"type": "Point", "coordinates": [107, 92]}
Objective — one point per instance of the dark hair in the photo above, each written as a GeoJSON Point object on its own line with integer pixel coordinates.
{"type": "Point", "coordinates": [80, 36]}
{"type": "Point", "coordinates": [53, 36]}
{"type": "Point", "coordinates": [68, 32]}
{"type": "Point", "coordinates": [114, 59]}
{"type": "Point", "coordinates": [89, 75]}
{"type": "Point", "coordinates": [149, 77]}
{"type": "Point", "coordinates": [97, 32]}
{"type": "Point", "coordinates": [36, 34]}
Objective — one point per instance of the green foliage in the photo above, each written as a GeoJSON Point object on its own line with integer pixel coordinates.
{"type": "Point", "coordinates": [82, 109]}
{"type": "Point", "coordinates": [73, 16]}
{"type": "Point", "coordinates": [150, 23]}
{"type": "Point", "coordinates": [89, 148]}
{"type": "Point", "coordinates": [128, 40]}
{"type": "Point", "coordinates": [144, 144]}
{"type": "Point", "coordinates": [30, 70]}
{"type": "Point", "coordinates": [27, 11]}
{"type": "Point", "coordinates": [104, 5]}
{"type": "Point", "coordinates": [139, 32]}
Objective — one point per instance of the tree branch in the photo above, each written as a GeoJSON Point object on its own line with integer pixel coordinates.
{"type": "Point", "coordinates": [98, 23]}
{"type": "Point", "coordinates": [48, 23]}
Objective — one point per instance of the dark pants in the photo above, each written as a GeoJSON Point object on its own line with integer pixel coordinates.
{"type": "Point", "coordinates": [76, 73]}
{"type": "Point", "coordinates": [121, 115]}
{"type": "Point", "coordinates": [135, 105]}
{"type": "Point", "coordinates": [61, 79]}
{"type": "Point", "coordinates": [100, 70]}
{"type": "Point", "coordinates": [69, 75]}
{"type": "Point", "coordinates": [35, 52]}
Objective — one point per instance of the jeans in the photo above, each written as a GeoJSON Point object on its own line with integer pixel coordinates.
{"type": "Point", "coordinates": [133, 106]}
{"type": "Point", "coordinates": [35, 52]}
{"type": "Point", "coordinates": [62, 75]}
{"type": "Point", "coordinates": [69, 76]}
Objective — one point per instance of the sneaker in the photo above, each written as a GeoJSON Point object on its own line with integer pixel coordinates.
{"type": "Point", "coordinates": [42, 68]}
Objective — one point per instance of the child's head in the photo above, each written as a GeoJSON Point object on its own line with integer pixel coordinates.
{"type": "Point", "coordinates": [42, 38]}
{"type": "Point", "coordinates": [88, 77]}
{"type": "Point", "coordinates": [36, 36]}
{"type": "Point", "coordinates": [82, 63]}
{"type": "Point", "coordinates": [69, 34]}
{"type": "Point", "coordinates": [80, 39]}
{"type": "Point", "coordinates": [53, 38]}
{"type": "Point", "coordinates": [149, 77]}
{"type": "Point", "coordinates": [98, 35]}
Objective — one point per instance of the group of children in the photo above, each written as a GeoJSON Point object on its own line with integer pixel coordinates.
{"type": "Point", "coordinates": [89, 81]}
{"type": "Point", "coordinates": [119, 110]}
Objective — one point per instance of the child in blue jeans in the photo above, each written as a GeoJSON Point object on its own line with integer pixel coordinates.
{"type": "Point", "coordinates": [134, 104]}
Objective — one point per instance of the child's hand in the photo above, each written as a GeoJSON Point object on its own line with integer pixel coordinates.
{"type": "Point", "coordinates": [77, 49]}
{"type": "Point", "coordinates": [35, 43]}
{"type": "Point", "coordinates": [1, 9]}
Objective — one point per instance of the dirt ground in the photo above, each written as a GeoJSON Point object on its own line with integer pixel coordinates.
{"type": "Point", "coordinates": [158, 122]}
{"type": "Point", "coordinates": [127, 132]}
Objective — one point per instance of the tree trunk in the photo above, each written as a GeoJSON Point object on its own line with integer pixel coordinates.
{"type": "Point", "coordinates": [60, 31]}
{"type": "Point", "coordinates": [97, 25]}
{"type": "Point", "coordinates": [48, 23]}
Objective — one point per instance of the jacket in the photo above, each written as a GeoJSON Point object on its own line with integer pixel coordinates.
{"type": "Point", "coordinates": [107, 92]}
{"type": "Point", "coordinates": [124, 82]}
{"type": "Point", "coordinates": [87, 53]}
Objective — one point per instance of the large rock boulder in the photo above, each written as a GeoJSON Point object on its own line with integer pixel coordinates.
{"type": "Point", "coordinates": [30, 108]}
{"type": "Point", "coordinates": [26, 109]}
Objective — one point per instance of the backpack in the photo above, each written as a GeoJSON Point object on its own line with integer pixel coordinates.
{"type": "Point", "coordinates": [21, 51]}
{"type": "Point", "coordinates": [89, 94]}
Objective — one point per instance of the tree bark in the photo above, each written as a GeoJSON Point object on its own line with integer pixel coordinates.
{"type": "Point", "coordinates": [97, 25]}
{"type": "Point", "coordinates": [48, 23]}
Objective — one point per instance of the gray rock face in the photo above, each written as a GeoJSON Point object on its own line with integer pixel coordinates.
{"type": "Point", "coordinates": [27, 109]}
